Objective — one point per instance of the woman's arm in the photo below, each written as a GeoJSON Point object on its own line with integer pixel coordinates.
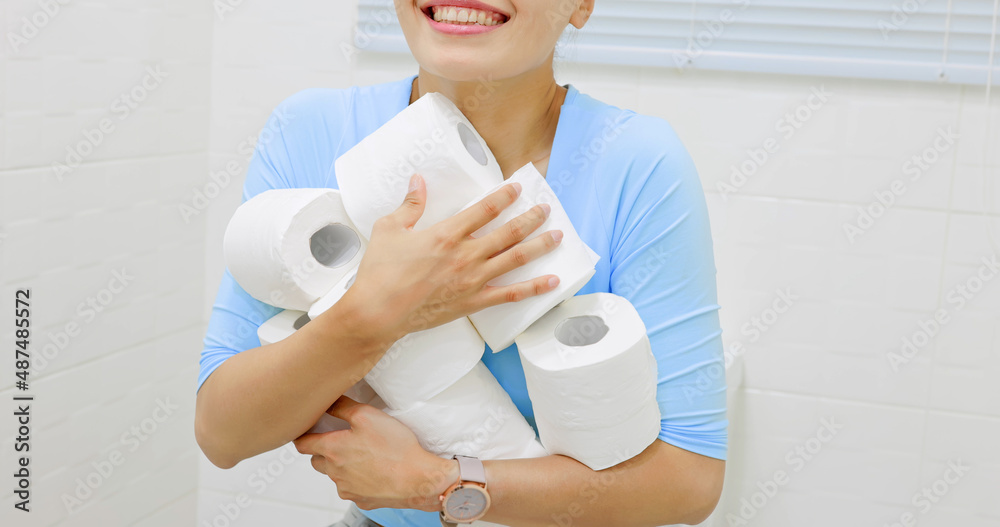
{"type": "Point", "coordinates": [264, 397]}
{"type": "Point", "coordinates": [261, 398]}
{"type": "Point", "coordinates": [379, 463]}
{"type": "Point", "coordinates": [664, 485]}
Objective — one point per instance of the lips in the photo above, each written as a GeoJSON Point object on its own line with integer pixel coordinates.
{"type": "Point", "coordinates": [463, 16]}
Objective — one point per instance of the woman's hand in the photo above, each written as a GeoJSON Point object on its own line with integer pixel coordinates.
{"type": "Point", "coordinates": [378, 462]}
{"type": "Point", "coordinates": [414, 280]}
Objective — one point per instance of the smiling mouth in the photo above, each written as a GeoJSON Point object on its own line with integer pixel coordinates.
{"type": "Point", "coordinates": [464, 16]}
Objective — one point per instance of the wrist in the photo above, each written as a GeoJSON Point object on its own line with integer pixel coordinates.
{"type": "Point", "coordinates": [432, 478]}
{"type": "Point", "coordinates": [365, 323]}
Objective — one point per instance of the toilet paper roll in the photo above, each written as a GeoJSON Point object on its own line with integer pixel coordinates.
{"type": "Point", "coordinates": [573, 262]}
{"type": "Point", "coordinates": [595, 447]}
{"type": "Point", "coordinates": [425, 363]}
{"type": "Point", "coordinates": [473, 417]}
{"type": "Point", "coordinates": [591, 376]}
{"type": "Point", "coordinates": [334, 295]}
{"type": "Point", "coordinates": [280, 326]}
{"type": "Point", "coordinates": [430, 137]}
{"type": "Point", "coordinates": [360, 392]}
{"type": "Point", "coordinates": [289, 247]}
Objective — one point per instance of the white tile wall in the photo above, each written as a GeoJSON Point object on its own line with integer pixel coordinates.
{"type": "Point", "coordinates": [116, 212]}
{"type": "Point", "coordinates": [826, 357]}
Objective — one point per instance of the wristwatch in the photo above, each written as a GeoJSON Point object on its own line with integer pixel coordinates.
{"type": "Point", "coordinates": [467, 500]}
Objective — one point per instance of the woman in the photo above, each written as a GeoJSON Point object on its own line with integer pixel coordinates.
{"type": "Point", "coordinates": [633, 194]}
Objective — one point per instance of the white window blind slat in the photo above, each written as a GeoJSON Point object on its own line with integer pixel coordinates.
{"type": "Point", "coordinates": [917, 40]}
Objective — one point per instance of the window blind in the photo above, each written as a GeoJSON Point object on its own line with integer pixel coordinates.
{"type": "Point", "coordinates": [952, 41]}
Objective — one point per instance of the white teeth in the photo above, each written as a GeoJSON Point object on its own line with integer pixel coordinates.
{"type": "Point", "coordinates": [459, 15]}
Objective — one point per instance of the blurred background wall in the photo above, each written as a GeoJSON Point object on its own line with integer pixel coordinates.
{"type": "Point", "coordinates": [105, 130]}
{"type": "Point", "coordinates": [835, 247]}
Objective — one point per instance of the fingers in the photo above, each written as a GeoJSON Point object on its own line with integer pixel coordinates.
{"type": "Point", "coordinates": [516, 292]}
{"type": "Point", "coordinates": [515, 230]}
{"type": "Point", "coordinates": [317, 444]}
{"type": "Point", "coordinates": [486, 210]}
{"type": "Point", "coordinates": [523, 253]}
{"type": "Point", "coordinates": [319, 464]}
{"type": "Point", "coordinates": [345, 408]}
{"type": "Point", "coordinates": [413, 205]}
{"type": "Point", "coordinates": [308, 443]}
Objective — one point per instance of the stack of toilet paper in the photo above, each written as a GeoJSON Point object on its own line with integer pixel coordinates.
{"type": "Point", "coordinates": [300, 249]}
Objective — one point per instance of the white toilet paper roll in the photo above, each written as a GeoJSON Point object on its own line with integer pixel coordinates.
{"type": "Point", "coordinates": [288, 247]}
{"type": "Point", "coordinates": [280, 326]}
{"type": "Point", "coordinates": [334, 295]}
{"type": "Point", "coordinates": [591, 377]}
{"type": "Point", "coordinates": [473, 417]}
{"type": "Point", "coordinates": [430, 137]}
{"type": "Point", "coordinates": [595, 447]}
{"type": "Point", "coordinates": [423, 364]}
{"type": "Point", "coordinates": [573, 262]}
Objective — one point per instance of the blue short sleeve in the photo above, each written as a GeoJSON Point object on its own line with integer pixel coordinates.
{"type": "Point", "coordinates": [662, 262]}
{"type": "Point", "coordinates": [289, 153]}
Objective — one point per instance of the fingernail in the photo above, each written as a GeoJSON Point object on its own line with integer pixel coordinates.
{"type": "Point", "coordinates": [414, 182]}
{"type": "Point", "coordinates": [557, 236]}
{"type": "Point", "coordinates": [554, 281]}
{"type": "Point", "coordinates": [546, 209]}
{"type": "Point", "coordinates": [517, 188]}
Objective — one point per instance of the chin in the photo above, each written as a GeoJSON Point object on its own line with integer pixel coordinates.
{"type": "Point", "coordinates": [460, 68]}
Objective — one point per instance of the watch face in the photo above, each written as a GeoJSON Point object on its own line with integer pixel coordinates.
{"type": "Point", "coordinates": [466, 503]}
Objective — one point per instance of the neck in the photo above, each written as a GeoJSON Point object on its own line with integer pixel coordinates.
{"type": "Point", "coordinates": [517, 117]}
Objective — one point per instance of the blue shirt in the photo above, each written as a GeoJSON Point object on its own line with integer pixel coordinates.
{"type": "Point", "coordinates": [633, 194]}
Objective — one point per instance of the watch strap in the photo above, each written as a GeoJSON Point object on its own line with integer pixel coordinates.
{"type": "Point", "coordinates": [471, 469]}
{"type": "Point", "coordinates": [446, 523]}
